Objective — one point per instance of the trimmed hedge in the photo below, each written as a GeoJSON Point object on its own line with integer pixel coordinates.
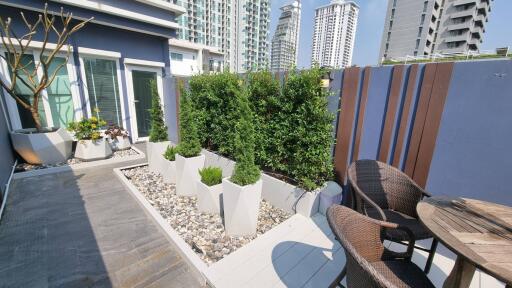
{"type": "Point", "coordinates": [189, 145]}
{"type": "Point", "coordinates": [158, 132]}
{"type": "Point", "coordinates": [290, 124]}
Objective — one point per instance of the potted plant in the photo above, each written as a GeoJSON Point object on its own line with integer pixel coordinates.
{"type": "Point", "coordinates": [209, 190]}
{"type": "Point", "coordinates": [242, 192]}
{"type": "Point", "coordinates": [169, 174]}
{"type": "Point", "coordinates": [91, 145]}
{"type": "Point", "coordinates": [37, 144]}
{"type": "Point", "coordinates": [118, 138]}
{"type": "Point", "coordinates": [158, 142]}
{"type": "Point", "coordinates": [189, 158]}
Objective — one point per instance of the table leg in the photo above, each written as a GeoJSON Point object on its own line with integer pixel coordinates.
{"type": "Point", "coordinates": [461, 275]}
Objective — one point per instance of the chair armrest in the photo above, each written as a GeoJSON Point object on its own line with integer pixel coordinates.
{"type": "Point", "coordinates": [410, 247]}
{"type": "Point", "coordinates": [367, 199]}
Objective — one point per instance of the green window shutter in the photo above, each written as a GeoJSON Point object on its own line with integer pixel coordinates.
{"type": "Point", "coordinates": [60, 98]}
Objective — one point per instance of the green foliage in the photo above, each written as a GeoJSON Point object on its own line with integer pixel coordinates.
{"type": "Point", "coordinates": [170, 153]}
{"type": "Point", "coordinates": [158, 131]}
{"type": "Point", "coordinates": [87, 129]}
{"type": "Point", "coordinates": [215, 99]}
{"type": "Point", "coordinates": [211, 175]}
{"type": "Point", "coordinates": [305, 127]}
{"type": "Point", "coordinates": [246, 172]}
{"type": "Point", "coordinates": [264, 92]}
{"type": "Point", "coordinates": [190, 145]}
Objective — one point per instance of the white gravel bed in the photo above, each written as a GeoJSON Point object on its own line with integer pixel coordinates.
{"type": "Point", "coordinates": [203, 232]}
{"type": "Point", "coordinates": [22, 167]}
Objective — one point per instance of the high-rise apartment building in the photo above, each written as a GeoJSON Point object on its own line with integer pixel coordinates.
{"type": "Point", "coordinates": [239, 28]}
{"type": "Point", "coordinates": [285, 43]}
{"type": "Point", "coordinates": [334, 35]}
{"type": "Point", "coordinates": [424, 27]}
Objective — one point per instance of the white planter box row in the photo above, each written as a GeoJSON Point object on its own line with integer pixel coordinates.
{"type": "Point", "coordinates": [56, 146]}
{"type": "Point", "coordinates": [239, 205]}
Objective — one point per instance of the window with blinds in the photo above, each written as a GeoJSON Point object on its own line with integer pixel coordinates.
{"type": "Point", "coordinates": [60, 99]}
{"type": "Point", "coordinates": [103, 89]}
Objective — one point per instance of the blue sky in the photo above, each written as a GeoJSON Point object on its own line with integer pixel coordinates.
{"type": "Point", "coordinates": [371, 21]}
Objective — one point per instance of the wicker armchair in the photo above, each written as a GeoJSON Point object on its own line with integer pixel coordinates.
{"type": "Point", "coordinates": [369, 263]}
{"type": "Point", "coordinates": [383, 192]}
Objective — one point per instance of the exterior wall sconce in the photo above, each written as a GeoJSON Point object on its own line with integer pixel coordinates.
{"type": "Point", "coordinates": [326, 78]}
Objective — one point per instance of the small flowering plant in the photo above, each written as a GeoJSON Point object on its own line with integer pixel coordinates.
{"type": "Point", "coordinates": [115, 131]}
{"type": "Point", "coordinates": [87, 129]}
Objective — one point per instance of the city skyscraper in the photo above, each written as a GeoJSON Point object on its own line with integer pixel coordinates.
{"type": "Point", "coordinates": [285, 43]}
{"type": "Point", "coordinates": [334, 35]}
{"type": "Point", "coordinates": [421, 28]}
{"type": "Point", "coordinates": [239, 28]}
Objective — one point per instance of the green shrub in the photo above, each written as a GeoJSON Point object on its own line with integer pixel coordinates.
{"type": "Point", "coordinates": [246, 172]}
{"type": "Point", "coordinates": [215, 99]}
{"type": "Point", "coordinates": [211, 175]}
{"type": "Point", "coordinates": [170, 153]}
{"type": "Point", "coordinates": [158, 132]}
{"type": "Point", "coordinates": [189, 145]}
{"type": "Point", "coordinates": [264, 92]}
{"type": "Point", "coordinates": [87, 128]}
{"type": "Point", "coordinates": [305, 124]}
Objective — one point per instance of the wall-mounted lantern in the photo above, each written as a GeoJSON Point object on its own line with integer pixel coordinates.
{"type": "Point", "coordinates": [326, 78]}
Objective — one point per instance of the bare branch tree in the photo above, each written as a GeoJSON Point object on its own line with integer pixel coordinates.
{"type": "Point", "coordinates": [16, 47]}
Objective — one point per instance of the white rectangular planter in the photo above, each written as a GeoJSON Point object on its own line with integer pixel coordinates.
{"type": "Point", "coordinates": [209, 198]}
{"type": "Point", "coordinates": [241, 207]}
{"type": "Point", "coordinates": [330, 194]}
{"type": "Point", "coordinates": [285, 196]}
{"type": "Point", "coordinates": [90, 150]}
{"type": "Point", "coordinates": [169, 174]}
{"type": "Point", "coordinates": [212, 159]}
{"type": "Point", "coordinates": [120, 143]}
{"type": "Point", "coordinates": [155, 152]}
{"type": "Point", "coordinates": [42, 148]}
{"type": "Point", "coordinates": [187, 174]}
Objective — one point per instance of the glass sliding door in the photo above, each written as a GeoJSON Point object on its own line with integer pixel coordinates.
{"type": "Point", "coordinates": [102, 88]}
{"type": "Point", "coordinates": [25, 92]}
{"type": "Point", "coordinates": [142, 81]}
{"type": "Point", "coordinates": [59, 94]}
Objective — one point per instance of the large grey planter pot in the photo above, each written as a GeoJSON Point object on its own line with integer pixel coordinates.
{"type": "Point", "coordinates": [209, 198]}
{"type": "Point", "coordinates": [169, 174]}
{"type": "Point", "coordinates": [90, 150]}
{"type": "Point", "coordinates": [187, 174]}
{"type": "Point", "coordinates": [43, 148]}
{"type": "Point", "coordinates": [120, 143]}
{"type": "Point", "coordinates": [155, 156]}
{"type": "Point", "coordinates": [241, 207]}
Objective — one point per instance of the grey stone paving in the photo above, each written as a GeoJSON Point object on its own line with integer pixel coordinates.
{"type": "Point", "coordinates": [83, 229]}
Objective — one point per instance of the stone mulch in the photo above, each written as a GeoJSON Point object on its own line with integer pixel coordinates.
{"type": "Point", "coordinates": [203, 232]}
{"type": "Point", "coordinates": [23, 167]}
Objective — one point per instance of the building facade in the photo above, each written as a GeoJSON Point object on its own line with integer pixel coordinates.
{"type": "Point", "coordinates": [189, 59]}
{"type": "Point", "coordinates": [334, 34]}
{"type": "Point", "coordinates": [285, 43]}
{"type": "Point", "coordinates": [114, 61]}
{"type": "Point", "coordinates": [238, 28]}
{"type": "Point", "coordinates": [422, 28]}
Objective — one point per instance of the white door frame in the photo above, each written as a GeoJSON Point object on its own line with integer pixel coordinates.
{"type": "Point", "coordinates": [131, 96]}
{"type": "Point", "coordinates": [12, 107]}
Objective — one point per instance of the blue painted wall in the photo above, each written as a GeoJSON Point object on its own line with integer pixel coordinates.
{"type": "Point", "coordinates": [473, 153]}
{"type": "Point", "coordinates": [6, 153]}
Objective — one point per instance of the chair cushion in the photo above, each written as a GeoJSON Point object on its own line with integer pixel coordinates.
{"type": "Point", "coordinates": [401, 219]}
{"type": "Point", "coordinates": [402, 273]}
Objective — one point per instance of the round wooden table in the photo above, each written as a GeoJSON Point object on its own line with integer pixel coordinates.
{"type": "Point", "coordinates": [479, 232]}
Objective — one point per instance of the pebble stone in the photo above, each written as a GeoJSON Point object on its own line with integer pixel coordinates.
{"type": "Point", "coordinates": [203, 232]}
{"type": "Point", "coordinates": [73, 161]}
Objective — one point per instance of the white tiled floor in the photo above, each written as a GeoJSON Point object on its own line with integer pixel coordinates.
{"type": "Point", "coordinates": [302, 252]}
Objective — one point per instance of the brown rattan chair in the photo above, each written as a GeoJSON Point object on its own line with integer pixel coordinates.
{"type": "Point", "coordinates": [369, 263]}
{"type": "Point", "coordinates": [385, 193]}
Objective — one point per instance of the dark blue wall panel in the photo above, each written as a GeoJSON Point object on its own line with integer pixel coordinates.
{"type": "Point", "coordinates": [473, 153]}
